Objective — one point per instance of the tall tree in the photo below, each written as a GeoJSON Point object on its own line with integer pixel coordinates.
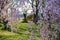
{"type": "Point", "coordinates": [25, 8]}
{"type": "Point", "coordinates": [4, 5]}
{"type": "Point", "coordinates": [35, 4]}
{"type": "Point", "coordinates": [50, 30]}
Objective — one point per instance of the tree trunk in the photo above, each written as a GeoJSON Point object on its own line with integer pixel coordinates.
{"type": "Point", "coordinates": [6, 24]}
{"type": "Point", "coordinates": [25, 20]}
{"type": "Point", "coordinates": [36, 14]}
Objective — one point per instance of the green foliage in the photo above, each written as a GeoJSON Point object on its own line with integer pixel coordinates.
{"type": "Point", "coordinates": [30, 17]}
{"type": "Point", "coordinates": [58, 36]}
{"type": "Point", "coordinates": [1, 25]}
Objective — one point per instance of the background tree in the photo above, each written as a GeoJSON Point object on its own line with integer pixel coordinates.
{"type": "Point", "coordinates": [25, 8]}
{"type": "Point", "coordinates": [35, 4]}
{"type": "Point", "coordinates": [4, 4]}
{"type": "Point", "coordinates": [30, 17]}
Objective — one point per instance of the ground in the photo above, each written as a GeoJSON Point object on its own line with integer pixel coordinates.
{"type": "Point", "coordinates": [23, 32]}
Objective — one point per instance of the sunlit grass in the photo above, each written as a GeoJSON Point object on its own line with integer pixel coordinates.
{"type": "Point", "coordinates": [23, 32]}
{"type": "Point", "coordinates": [5, 35]}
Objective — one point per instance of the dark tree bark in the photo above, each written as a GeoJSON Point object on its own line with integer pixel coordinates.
{"type": "Point", "coordinates": [25, 20]}
{"type": "Point", "coordinates": [37, 11]}
{"type": "Point", "coordinates": [6, 24]}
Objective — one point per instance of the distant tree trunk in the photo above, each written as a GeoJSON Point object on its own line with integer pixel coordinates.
{"type": "Point", "coordinates": [6, 24]}
{"type": "Point", "coordinates": [36, 15]}
{"type": "Point", "coordinates": [25, 20]}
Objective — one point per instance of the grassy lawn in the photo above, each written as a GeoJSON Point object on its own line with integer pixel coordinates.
{"type": "Point", "coordinates": [23, 32]}
{"type": "Point", "coordinates": [5, 35]}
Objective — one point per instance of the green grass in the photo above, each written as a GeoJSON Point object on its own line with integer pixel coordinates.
{"type": "Point", "coordinates": [23, 32]}
{"type": "Point", "coordinates": [5, 35]}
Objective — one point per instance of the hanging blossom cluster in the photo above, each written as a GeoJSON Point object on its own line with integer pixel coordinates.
{"type": "Point", "coordinates": [51, 14]}
{"type": "Point", "coordinates": [52, 11]}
